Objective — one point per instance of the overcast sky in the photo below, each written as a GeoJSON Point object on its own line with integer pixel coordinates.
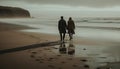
{"type": "Point", "coordinates": [67, 7]}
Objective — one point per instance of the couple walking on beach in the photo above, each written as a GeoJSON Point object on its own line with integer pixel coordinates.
{"type": "Point", "coordinates": [62, 27]}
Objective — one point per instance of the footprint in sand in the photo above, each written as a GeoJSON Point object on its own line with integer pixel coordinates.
{"type": "Point", "coordinates": [75, 65]}
{"type": "Point", "coordinates": [86, 66]}
{"type": "Point", "coordinates": [41, 61]}
{"type": "Point", "coordinates": [32, 56]}
{"type": "Point", "coordinates": [51, 66]}
{"type": "Point", "coordinates": [63, 62]}
{"type": "Point", "coordinates": [37, 59]}
{"type": "Point", "coordinates": [34, 52]}
{"type": "Point", "coordinates": [51, 58]}
{"type": "Point", "coordinates": [84, 60]}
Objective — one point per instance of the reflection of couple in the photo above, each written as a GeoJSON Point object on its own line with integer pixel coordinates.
{"type": "Point", "coordinates": [70, 50]}
{"type": "Point", "coordinates": [62, 27]}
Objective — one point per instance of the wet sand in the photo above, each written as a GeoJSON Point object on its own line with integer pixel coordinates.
{"type": "Point", "coordinates": [25, 50]}
{"type": "Point", "coordinates": [17, 52]}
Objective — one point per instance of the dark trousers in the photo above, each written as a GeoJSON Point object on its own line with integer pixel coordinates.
{"type": "Point", "coordinates": [62, 36]}
{"type": "Point", "coordinates": [71, 36]}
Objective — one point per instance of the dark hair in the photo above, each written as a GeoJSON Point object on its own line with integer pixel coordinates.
{"type": "Point", "coordinates": [61, 17]}
{"type": "Point", "coordinates": [70, 18]}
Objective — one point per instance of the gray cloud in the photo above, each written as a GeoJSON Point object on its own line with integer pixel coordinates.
{"type": "Point", "coordinates": [62, 7]}
{"type": "Point", "coordinates": [87, 3]}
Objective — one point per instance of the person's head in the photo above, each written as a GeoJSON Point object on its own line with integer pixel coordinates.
{"type": "Point", "coordinates": [70, 18]}
{"type": "Point", "coordinates": [61, 17]}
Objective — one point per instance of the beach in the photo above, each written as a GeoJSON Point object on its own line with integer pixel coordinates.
{"type": "Point", "coordinates": [24, 46]}
{"type": "Point", "coordinates": [28, 59]}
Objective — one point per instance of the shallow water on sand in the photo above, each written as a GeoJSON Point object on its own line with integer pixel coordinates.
{"type": "Point", "coordinates": [96, 56]}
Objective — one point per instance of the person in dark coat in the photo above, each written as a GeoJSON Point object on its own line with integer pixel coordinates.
{"type": "Point", "coordinates": [62, 28]}
{"type": "Point", "coordinates": [71, 28]}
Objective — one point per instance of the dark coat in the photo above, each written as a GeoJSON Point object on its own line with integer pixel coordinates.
{"type": "Point", "coordinates": [62, 26]}
{"type": "Point", "coordinates": [71, 27]}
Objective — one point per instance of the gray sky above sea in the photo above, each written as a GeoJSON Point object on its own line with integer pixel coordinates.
{"type": "Point", "coordinates": [83, 8]}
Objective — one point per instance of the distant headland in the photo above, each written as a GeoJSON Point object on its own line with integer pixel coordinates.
{"type": "Point", "coordinates": [12, 12]}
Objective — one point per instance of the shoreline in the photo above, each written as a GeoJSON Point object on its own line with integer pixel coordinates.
{"type": "Point", "coordinates": [10, 35]}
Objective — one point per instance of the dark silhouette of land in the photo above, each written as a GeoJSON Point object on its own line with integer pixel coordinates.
{"type": "Point", "coordinates": [8, 12]}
